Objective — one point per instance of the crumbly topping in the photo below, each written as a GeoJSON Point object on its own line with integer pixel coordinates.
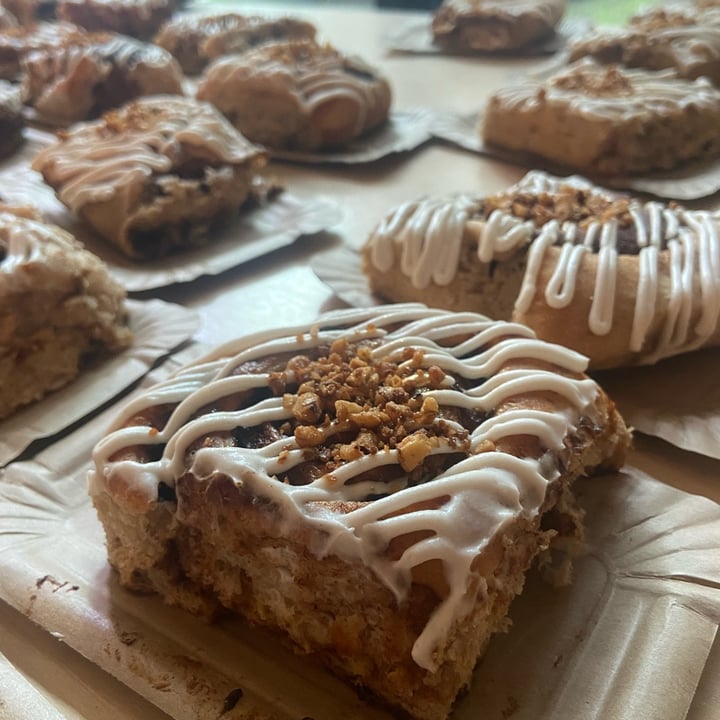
{"type": "Point", "coordinates": [297, 52]}
{"type": "Point", "coordinates": [608, 82]}
{"type": "Point", "coordinates": [568, 203]}
{"type": "Point", "coordinates": [361, 405]}
{"type": "Point", "coordinates": [662, 18]}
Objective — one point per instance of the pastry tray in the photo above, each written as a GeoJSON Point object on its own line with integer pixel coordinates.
{"type": "Point", "coordinates": [274, 224]}
{"type": "Point", "coordinates": [158, 328]}
{"type": "Point", "coordinates": [644, 608]}
{"type": "Point", "coordinates": [657, 400]}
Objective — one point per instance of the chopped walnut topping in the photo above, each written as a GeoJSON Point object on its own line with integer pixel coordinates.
{"type": "Point", "coordinates": [610, 82]}
{"type": "Point", "coordinates": [346, 403]}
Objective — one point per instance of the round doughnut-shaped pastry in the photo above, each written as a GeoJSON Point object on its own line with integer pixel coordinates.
{"type": "Point", "coordinates": [196, 40]}
{"type": "Point", "coordinates": [494, 25]}
{"type": "Point", "coordinates": [623, 281]}
{"type": "Point", "coordinates": [155, 176]}
{"type": "Point", "coordinates": [59, 308]}
{"type": "Point", "coordinates": [297, 95]}
{"type": "Point", "coordinates": [374, 484]}
{"type": "Point", "coordinates": [81, 82]}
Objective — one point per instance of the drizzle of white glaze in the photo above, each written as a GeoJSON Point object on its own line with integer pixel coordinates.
{"type": "Point", "coordinates": [480, 494]}
{"type": "Point", "coordinates": [426, 236]}
{"type": "Point", "coordinates": [92, 163]}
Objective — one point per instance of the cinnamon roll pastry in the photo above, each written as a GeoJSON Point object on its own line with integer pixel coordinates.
{"type": "Point", "coordinates": [374, 485]}
{"type": "Point", "coordinates": [678, 37]}
{"type": "Point", "coordinates": [12, 121]}
{"type": "Point", "coordinates": [622, 281]}
{"type": "Point", "coordinates": [74, 83]}
{"type": "Point", "coordinates": [16, 43]}
{"type": "Point", "coordinates": [297, 95]}
{"type": "Point", "coordinates": [495, 25]}
{"type": "Point", "coordinates": [195, 41]}
{"type": "Point", "coordinates": [137, 18]}
{"type": "Point", "coordinates": [59, 309]}
{"type": "Point", "coordinates": [155, 176]}
{"type": "Point", "coordinates": [607, 120]}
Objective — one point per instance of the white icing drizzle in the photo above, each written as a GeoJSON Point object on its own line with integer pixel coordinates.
{"type": "Point", "coordinates": [476, 496]}
{"type": "Point", "coordinates": [92, 163]}
{"type": "Point", "coordinates": [425, 250]}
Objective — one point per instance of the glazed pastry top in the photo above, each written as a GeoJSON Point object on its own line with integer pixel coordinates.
{"type": "Point", "coordinates": [151, 136]}
{"type": "Point", "coordinates": [369, 425]}
{"type": "Point", "coordinates": [575, 218]}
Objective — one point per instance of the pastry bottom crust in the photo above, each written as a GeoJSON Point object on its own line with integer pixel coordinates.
{"type": "Point", "coordinates": [216, 546]}
{"type": "Point", "coordinates": [172, 213]}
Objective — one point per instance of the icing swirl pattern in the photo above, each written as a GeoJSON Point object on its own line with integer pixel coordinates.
{"type": "Point", "coordinates": [427, 237]}
{"type": "Point", "coordinates": [459, 362]}
{"type": "Point", "coordinates": [152, 136]}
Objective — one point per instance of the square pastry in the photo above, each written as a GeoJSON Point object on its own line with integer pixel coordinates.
{"type": "Point", "coordinates": [606, 119]}
{"type": "Point", "coordinates": [373, 485]}
{"type": "Point", "coordinates": [679, 37]}
{"type": "Point", "coordinates": [59, 308]}
{"type": "Point", "coordinates": [155, 176]}
{"type": "Point", "coordinates": [196, 40]}
{"type": "Point", "coordinates": [80, 82]}
{"type": "Point", "coordinates": [495, 25]}
{"type": "Point", "coordinates": [297, 95]}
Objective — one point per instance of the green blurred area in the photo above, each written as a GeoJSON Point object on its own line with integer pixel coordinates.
{"type": "Point", "coordinates": [605, 11]}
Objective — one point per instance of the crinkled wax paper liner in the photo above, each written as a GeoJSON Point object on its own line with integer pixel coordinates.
{"type": "Point", "coordinates": [677, 400]}
{"type": "Point", "coordinates": [405, 130]}
{"type": "Point", "coordinates": [629, 639]}
{"type": "Point", "coordinates": [19, 699]}
{"type": "Point", "coordinates": [158, 328]}
{"type": "Point", "coordinates": [276, 223]}
{"type": "Point", "coordinates": [415, 37]}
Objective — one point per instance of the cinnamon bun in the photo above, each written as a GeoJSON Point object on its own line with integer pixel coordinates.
{"type": "Point", "coordinates": [59, 308]}
{"type": "Point", "coordinates": [297, 95]}
{"type": "Point", "coordinates": [607, 120]}
{"type": "Point", "coordinates": [622, 281]}
{"type": "Point", "coordinates": [495, 25]}
{"type": "Point", "coordinates": [155, 176]}
{"type": "Point", "coordinates": [68, 84]}
{"type": "Point", "coordinates": [137, 18]}
{"type": "Point", "coordinates": [196, 41]}
{"type": "Point", "coordinates": [374, 485]}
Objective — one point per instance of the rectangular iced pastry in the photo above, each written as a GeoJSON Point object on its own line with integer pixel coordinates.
{"type": "Point", "coordinates": [620, 280]}
{"type": "Point", "coordinates": [606, 119]}
{"type": "Point", "coordinates": [155, 176]}
{"type": "Point", "coordinates": [374, 485]}
{"type": "Point", "coordinates": [59, 308]}
{"type": "Point", "coordinates": [494, 25]}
